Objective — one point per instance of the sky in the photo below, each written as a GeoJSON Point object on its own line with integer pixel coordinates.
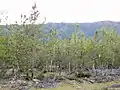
{"type": "Point", "coordinates": [64, 10]}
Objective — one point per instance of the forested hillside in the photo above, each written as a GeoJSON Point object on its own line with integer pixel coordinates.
{"type": "Point", "coordinates": [66, 29]}
{"type": "Point", "coordinates": [88, 28]}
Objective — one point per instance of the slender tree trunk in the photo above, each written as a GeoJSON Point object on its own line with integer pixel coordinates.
{"type": "Point", "coordinates": [69, 67]}
{"type": "Point", "coordinates": [51, 66]}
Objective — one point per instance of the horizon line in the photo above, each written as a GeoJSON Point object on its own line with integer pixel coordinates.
{"type": "Point", "coordinates": [66, 22]}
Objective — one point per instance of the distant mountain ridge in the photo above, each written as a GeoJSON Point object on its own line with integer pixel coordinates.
{"type": "Point", "coordinates": [87, 28]}
{"type": "Point", "coordinates": [66, 29]}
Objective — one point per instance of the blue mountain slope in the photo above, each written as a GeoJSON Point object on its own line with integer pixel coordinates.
{"type": "Point", "coordinates": [87, 28]}
{"type": "Point", "coordinates": [66, 29]}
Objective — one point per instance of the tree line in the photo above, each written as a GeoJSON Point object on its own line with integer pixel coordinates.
{"type": "Point", "coordinates": [27, 49]}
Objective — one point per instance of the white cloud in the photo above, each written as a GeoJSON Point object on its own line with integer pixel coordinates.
{"type": "Point", "coordinates": [66, 10]}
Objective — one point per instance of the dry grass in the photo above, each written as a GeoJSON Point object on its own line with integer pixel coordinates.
{"type": "Point", "coordinates": [76, 86]}
{"type": "Point", "coordinates": [84, 86]}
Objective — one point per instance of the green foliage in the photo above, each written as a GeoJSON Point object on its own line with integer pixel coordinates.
{"type": "Point", "coordinates": [28, 48]}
